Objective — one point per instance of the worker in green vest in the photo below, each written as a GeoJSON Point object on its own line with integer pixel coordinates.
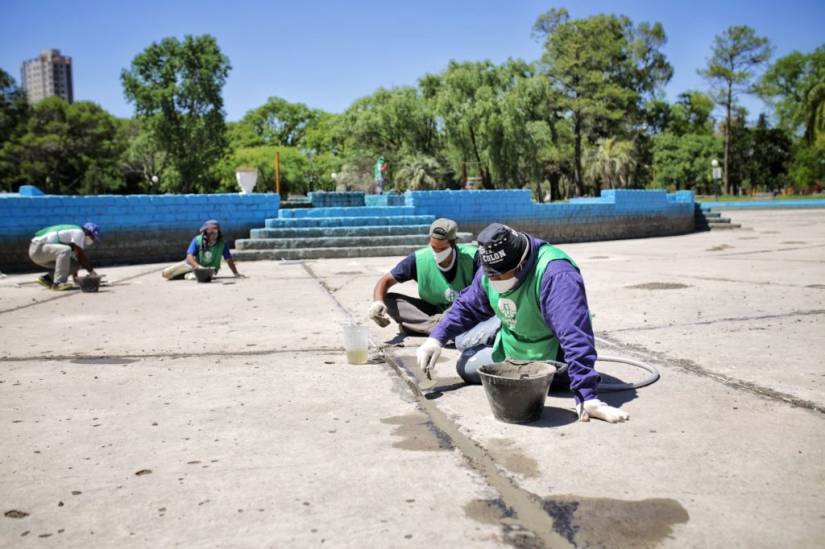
{"type": "Point", "coordinates": [537, 292]}
{"type": "Point", "coordinates": [207, 249]}
{"type": "Point", "coordinates": [60, 248]}
{"type": "Point", "coordinates": [442, 269]}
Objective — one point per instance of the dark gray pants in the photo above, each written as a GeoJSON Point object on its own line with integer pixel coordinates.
{"type": "Point", "coordinates": [411, 313]}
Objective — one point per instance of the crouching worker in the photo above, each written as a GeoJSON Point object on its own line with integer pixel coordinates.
{"type": "Point", "coordinates": [537, 292]}
{"type": "Point", "coordinates": [207, 249]}
{"type": "Point", "coordinates": [441, 270]}
{"type": "Point", "coordinates": [60, 248]}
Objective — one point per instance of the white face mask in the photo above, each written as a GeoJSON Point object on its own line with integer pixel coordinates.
{"type": "Point", "coordinates": [502, 286]}
{"type": "Point", "coordinates": [87, 241]}
{"type": "Point", "coordinates": [442, 255]}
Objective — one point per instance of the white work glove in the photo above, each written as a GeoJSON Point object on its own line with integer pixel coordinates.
{"type": "Point", "coordinates": [378, 312]}
{"type": "Point", "coordinates": [598, 409]}
{"type": "Point", "coordinates": [427, 354]}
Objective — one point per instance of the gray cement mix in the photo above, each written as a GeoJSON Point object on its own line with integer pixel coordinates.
{"type": "Point", "coordinates": [159, 413]}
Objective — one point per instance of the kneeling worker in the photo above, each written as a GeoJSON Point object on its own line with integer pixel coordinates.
{"type": "Point", "coordinates": [441, 270]}
{"type": "Point", "coordinates": [537, 292]}
{"type": "Point", "coordinates": [60, 248]}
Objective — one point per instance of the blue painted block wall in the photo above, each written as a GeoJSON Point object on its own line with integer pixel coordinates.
{"type": "Point", "coordinates": [135, 227]}
{"type": "Point", "coordinates": [481, 206]}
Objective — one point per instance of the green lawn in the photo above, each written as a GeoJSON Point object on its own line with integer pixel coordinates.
{"type": "Point", "coordinates": [733, 198]}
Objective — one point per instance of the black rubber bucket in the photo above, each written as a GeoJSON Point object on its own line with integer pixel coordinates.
{"type": "Point", "coordinates": [89, 284]}
{"type": "Point", "coordinates": [204, 274]}
{"type": "Point", "coordinates": [516, 390]}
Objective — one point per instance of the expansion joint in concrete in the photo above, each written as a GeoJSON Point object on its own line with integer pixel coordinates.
{"type": "Point", "coordinates": [736, 384]}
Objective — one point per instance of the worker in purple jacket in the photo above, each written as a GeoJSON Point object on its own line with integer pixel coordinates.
{"type": "Point", "coordinates": [537, 292]}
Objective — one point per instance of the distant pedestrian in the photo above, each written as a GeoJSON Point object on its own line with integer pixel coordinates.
{"type": "Point", "coordinates": [379, 174]}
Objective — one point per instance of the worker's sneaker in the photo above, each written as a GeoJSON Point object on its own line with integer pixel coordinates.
{"type": "Point", "coordinates": [45, 281]}
{"type": "Point", "coordinates": [63, 286]}
{"type": "Point", "coordinates": [190, 276]}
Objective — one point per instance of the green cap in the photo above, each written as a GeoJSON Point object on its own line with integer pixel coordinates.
{"type": "Point", "coordinates": [444, 229]}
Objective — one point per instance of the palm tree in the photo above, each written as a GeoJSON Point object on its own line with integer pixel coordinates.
{"type": "Point", "coordinates": [417, 171]}
{"type": "Point", "coordinates": [815, 123]}
{"type": "Point", "coordinates": [612, 163]}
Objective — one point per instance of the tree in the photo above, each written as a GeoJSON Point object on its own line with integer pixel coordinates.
{"type": "Point", "coordinates": [279, 122]}
{"type": "Point", "coordinates": [612, 163]}
{"type": "Point", "coordinates": [691, 114]}
{"type": "Point", "coordinates": [684, 161]}
{"type": "Point", "coordinates": [395, 121]}
{"type": "Point", "coordinates": [736, 54]}
{"type": "Point", "coordinates": [795, 86]}
{"type": "Point", "coordinates": [13, 106]}
{"type": "Point", "coordinates": [604, 69]}
{"type": "Point", "coordinates": [770, 156]}
{"type": "Point", "coordinates": [176, 88]}
{"type": "Point", "coordinates": [417, 172]}
{"type": "Point", "coordinates": [66, 149]}
{"type": "Point", "coordinates": [142, 161]}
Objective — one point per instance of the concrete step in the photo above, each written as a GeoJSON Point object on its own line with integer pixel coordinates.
{"type": "Point", "coordinates": [352, 211]}
{"type": "Point", "coordinates": [418, 240]}
{"type": "Point", "coordinates": [715, 220]}
{"type": "Point", "coordinates": [313, 232]}
{"type": "Point", "coordinates": [723, 226]}
{"type": "Point", "coordinates": [709, 215]}
{"type": "Point", "coordinates": [318, 253]}
{"type": "Point", "coordinates": [277, 223]}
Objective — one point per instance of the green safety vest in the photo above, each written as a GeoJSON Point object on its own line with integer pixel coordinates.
{"type": "Point", "coordinates": [524, 335]}
{"type": "Point", "coordinates": [433, 286]}
{"type": "Point", "coordinates": [211, 257]}
{"type": "Point", "coordinates": [56, 228]}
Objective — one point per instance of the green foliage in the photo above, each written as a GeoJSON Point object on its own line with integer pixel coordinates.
{"type": "Point", "coordinates": [279, 122]}
{"type": "Point", "coordinates": [418, 172]}
{"type": "Point", "coordinates": [14, 108]}
{"type": "Point", "coordinates": [176, 88]}
{"type": "Point", "coordinates": [299, 174]}
{"type": "Point", "coordinates": [397, 120]}
{"type": "Point", "coordinates": [612, 163]}
{"type": "Point", "coordinates": [795, 85]}
{"type": "Point", "coordinates": [808, 165]}
{"type": "Point", "coordinates": [691, 114]}
{"type": "Point", "coordinates": [684, 161]}
{"type": "Point", "coordinates": [65, 149]}
{"type": "Point", "coordinates": [604, 70]}
{"type": "Point", "coordinates": [736, 53]}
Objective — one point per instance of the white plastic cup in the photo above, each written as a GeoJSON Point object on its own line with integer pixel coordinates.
{"type": "Point", "coordinates": [356, 340]}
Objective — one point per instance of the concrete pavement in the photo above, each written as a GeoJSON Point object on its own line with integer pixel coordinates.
{"type": "Point", "coordinates": [174, 413]}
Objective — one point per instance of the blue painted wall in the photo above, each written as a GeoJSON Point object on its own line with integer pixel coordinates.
{"type": "Point", "coordinates": [136, 228]}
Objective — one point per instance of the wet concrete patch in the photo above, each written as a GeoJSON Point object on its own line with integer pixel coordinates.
{"type": "Point", "coordinates": [418, 433]}
{"type": "Point", "coordinates": [104, 360]}
{"type": "Point", "coordinates": [605, 522]}
{"type": "Point", "coordinates": [658, 286]}
{"type": "Point", "coordinates": [505, 452]}
{"type": "Point", "coordinates": [487, 511]}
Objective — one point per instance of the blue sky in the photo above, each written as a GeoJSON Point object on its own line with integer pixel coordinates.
{"type": "Point", "coordinates": [327, 54]}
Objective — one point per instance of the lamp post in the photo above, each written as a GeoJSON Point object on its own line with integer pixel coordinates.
{"type": "Point", "coordinates": [717, 175]}
{"type": "Point", "coordinates": [154, 184]}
